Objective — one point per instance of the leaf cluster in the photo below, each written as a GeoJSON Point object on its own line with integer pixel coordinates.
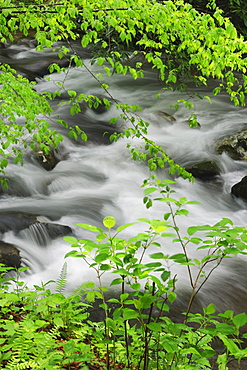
{"type": "Point", "coordinates": [173, 38]}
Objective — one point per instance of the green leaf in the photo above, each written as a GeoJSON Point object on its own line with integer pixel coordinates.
{"type": "Point", "coordinates": [149, 191]}
{"type": "Point", "coordinates": [120, 228]}
{"type": "Point", "coordinates": [165, 275]}
{"type": "Point", "coordinates": [136, 286]}
{"type": "Point", "coordinates": [73, 254]}
{"type": "Point", "coordinates": [209, 309]}
{"type": "Point", "coordinates": [155, 327]}
{"type": "Point", "coordinates": [101, 257]}
{"type": "Point", "coordinates": [109, 222]}
{"type": "Point", "coordinates": [153, 264]}
{"type": "Point", "coordinates": [117, 281]}
{"type": "Point", "coordinates": [207, 353]}
{"type": "Point", "coordinates": [84, 136]}
{"type": "Point", "coordinates": [229, 343]}
{"type": "Point", "coordinates": [70, 239]}
{"type": "Point", "coordinates": [90, 227]}
{"type": "Point", "coordinates": [192, 230]}
{"type": "Point", "coordinates": [4, 163]}
{"type": "Point", "coordinates": [123, 296]}
{"type": "Point", "coordinates": [144, 220]}
{"type": "Point", "coordinates": [113, 300]}
{"type": "Point", "coordinates": [128, 314]}
{"type": "Point", "coordinates": [72, 93]}
{"type": "Point", "coordinates": [101, 61]}
{"type": "Point", "coordinates": [158, 256]}
{"type": "Point", "coordinates": [105, 267]}
{"type": "Point", "coordinates": [168, 200]}
{"type": "Point", "coordinates": [240, 320]}
{"type": "Point", "coordinates": [182, 212]}
{"type": "Point", "coordinates": [58, 321]}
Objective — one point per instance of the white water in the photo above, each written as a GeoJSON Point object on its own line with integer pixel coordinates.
{"type": "Point", "coordinates": [95, 180]}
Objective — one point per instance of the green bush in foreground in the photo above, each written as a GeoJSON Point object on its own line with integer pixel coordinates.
{"type": "Point", "coordinates": [45, 330]}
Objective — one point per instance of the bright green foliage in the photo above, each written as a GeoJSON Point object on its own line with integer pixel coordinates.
{"type": "Point", "coordinates": [45, 330]}
{"type": "Point", "coordinates": [235, 10]}
{"type": "Point", "coordinates": [170, 36]}
{"type": "Point", "coordinates": [41, 330]}
{"type": "Point", "coordinates": [19, 122]}
{"type": "Point", "coordinates": [147, 289]}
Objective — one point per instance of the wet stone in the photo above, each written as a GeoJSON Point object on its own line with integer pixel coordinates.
{"type": "Point", "coordinates": [204, 170]}
{"type": "Point", "coordinates": [235, 146]}
{"type": "Point", "coordinates": [15, 221]}
{"type": "Point", "coordinates": [9, 255]}
{"type": "Point", "coordinates": [47, 160]}
{"type": "Point", "coordinates": [43, 232]}
{"type": "Point", "coordinates": [240, 189]}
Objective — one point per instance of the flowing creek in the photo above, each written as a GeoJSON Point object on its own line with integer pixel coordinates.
{"type": "Point", "coordinates": [94, 179]}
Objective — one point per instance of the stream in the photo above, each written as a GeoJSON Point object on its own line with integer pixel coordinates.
{"type": "Point", "coordinates": [97, 178]}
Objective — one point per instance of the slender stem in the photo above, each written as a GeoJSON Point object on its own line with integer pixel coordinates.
{"type": "Point", "coordinates": [196, 291]}
{"type": "Point", "coordinates": [182, 244]}
{"type": "Point", "coordinates": [146, 339]}
{"type": "Point", "coordinates": [107, 348]}
{"type": "Point", "coordinates": [125, 329]}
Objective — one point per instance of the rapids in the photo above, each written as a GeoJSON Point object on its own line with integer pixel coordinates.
{"type": "Point", "coordinates": [95, 179]}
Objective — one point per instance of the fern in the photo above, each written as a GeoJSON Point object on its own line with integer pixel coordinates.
{"type": "Point", "coordinates": [80, 290]}
{"type": "Point", "coordinates": [33, 348]}
{"type": "Point", "coordinates": [19, 364]}
{"type": "Point", "coordinates": [62, 280]}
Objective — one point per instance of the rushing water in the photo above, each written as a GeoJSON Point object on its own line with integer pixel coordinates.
{"type": "Point", "coordinates": [95, 179]}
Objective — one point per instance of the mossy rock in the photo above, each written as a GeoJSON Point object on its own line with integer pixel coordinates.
{"type": "Point", "coordinates": [235, 146]}
{"type": "Point", "coordinates": [204, 170]}
{"type": "Point", "coordinates": [47, 160]}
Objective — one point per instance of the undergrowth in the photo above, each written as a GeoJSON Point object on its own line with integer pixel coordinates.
{"type": "Point", "coordinates": [45, 330]}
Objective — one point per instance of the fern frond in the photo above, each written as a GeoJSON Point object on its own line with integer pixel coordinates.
{"type": "Point", "coordinates": [18, 364]}
{"type": "Point", "coordinates": [62, 280]}
{"type": "Point", "coordinates": [82, 289]}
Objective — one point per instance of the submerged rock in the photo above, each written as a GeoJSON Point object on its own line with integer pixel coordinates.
{"type": "Point", "coordinates": [204, 170]}
{"type": "Point", "coordinates": [235, 146]}
{"type": "Point", "coordinates": [15, 221]}
{"type": "Point", "coordinates": [167, 116]}
{"type": "Point", "coordinates": [240, 189]}
{"type": "Point", "coordinates": [9, 255]}
{"type": "Point", "coordinates": [43, 232]}
{"type": "Point", "coordinates": [16, 187]}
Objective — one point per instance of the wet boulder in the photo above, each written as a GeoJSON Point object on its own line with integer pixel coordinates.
{"type": "Point", "coordinates": [47, 160]}
{"type": "Point", "coordinates": [15, 221]}
{"type": "Point", "coordinates": [16, 187]}
{"type": "Point", "coordinates": [27, 226]}
{"type": "Point", "coordinates": [235, 146]}
{"type": "Point", "coordinates": [43, 232]}
{"type": "Point", "coordinates": [240, 189]}
{"type": "Point", "coordinates": [206, 170]}
{"type": "Point", "coordinates": [56, 230]}
{"type": "Point", "coordinates": [9, 255]}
